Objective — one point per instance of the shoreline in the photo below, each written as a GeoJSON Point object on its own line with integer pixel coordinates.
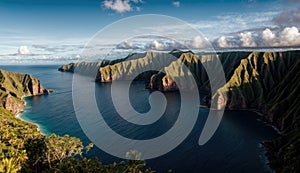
{"type": "Point", "coordinates": [22, 111]}
{"type": "Point", "coordinates": [265, 159]}
{"type": "Point", "coordinates": [262, 119]}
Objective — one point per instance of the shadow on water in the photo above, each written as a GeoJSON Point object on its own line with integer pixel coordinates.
{"type": "Point", "coordinates": [233, 148]}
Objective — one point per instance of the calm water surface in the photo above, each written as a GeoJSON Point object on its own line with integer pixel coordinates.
{"type": "Point", "coordinates": [233, 148]}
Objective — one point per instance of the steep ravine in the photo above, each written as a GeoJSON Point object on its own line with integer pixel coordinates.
{"type": "Point", "coordinates": [267, 82]}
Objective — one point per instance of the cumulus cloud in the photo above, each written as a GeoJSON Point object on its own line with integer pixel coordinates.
{"type": "Point", "coordinates": [121, 6]}
{"type": "Point", "coordinates": [164, 45]}
{"type": "Point", "coordinates": [222, 42]}
{"type": "Point", "coordinates": [176, 4]}
{"type": "Point", "coordinates": [157, 45]}
{"type": "Point", "coordinates": [268, 37]}
{"type": "Point", "coordinates": [247, 40]}
{"type": "Point", "coordinates": [23, 50]}
{"type": "Point", "coordinates": [290, 36]}
{"type": "Point", "coordinates": [198, 43]}
{"type": "Point", "coordinates": [285, 37]}
{"type": "Point", "coordinates": [127, 45]}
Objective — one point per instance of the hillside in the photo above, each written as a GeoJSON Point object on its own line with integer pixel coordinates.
{"type": "Point", "coordinates": [15, 86]}
{"type": "Point", "coordinates": [25, 149]}
{"type": "Point", "coordinates": [267, 82]}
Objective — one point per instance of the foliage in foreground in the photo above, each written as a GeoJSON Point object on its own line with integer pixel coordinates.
{"type": "Point", "coordinates": [24, 149]}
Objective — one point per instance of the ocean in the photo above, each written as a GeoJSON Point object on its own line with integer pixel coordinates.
{"type": "Point", "coordinates": [235, 147]}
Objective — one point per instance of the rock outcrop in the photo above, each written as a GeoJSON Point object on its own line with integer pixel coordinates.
{"type": "Point", "coordinates": [265, 81]}
{"type": "Point", "coordinates": [269, 83]}
{"type": "Point", "coordinates": [15, 86]}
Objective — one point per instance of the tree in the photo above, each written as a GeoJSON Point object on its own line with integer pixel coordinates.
{"type": "Point", "coordinates": [60, 148]}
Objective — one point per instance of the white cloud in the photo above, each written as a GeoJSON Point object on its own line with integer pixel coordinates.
{"type": "Point", "coordinates": [289, 36]}
{"type": "Point", "coordinates": [157, 45]}
{"type": "Point", "coordinates": [176, 4]}
{"type": "Point", "coordinates": [198, 43]}
{"type": "Point", "coordinates": [137, 1]}
{"type": "Point", "coordinates": [127, 45]}
{"type": "Point", "coordinates": [164, 45]}
{"type": "Point", "coordinates": [119, 6]}
{"type": "Point", "coordinates": [222, 42]}
{"type": "Point", "coordinates": [286, 37]}
{"type": "Point", "coordinates": [23, 50]}
{"type": "Point", "coordinates": [268, 37]}
{"type": "Point", "coordinates": [247, 40]}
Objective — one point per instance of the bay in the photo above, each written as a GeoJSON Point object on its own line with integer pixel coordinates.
{"type": "Point", "coordinates": [235, 147]}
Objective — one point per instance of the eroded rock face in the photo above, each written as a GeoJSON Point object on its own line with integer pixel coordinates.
{"type": "Point", "coordinates": [15, 86]}
{"type": "Point", "coordinates": [13, 104]}
{"type": "Point", "coordinates": [255, 77]}
{"type": "Point", "coordinates": [264, 81]}
{"type": "Point", "coordinates": [169, 84]}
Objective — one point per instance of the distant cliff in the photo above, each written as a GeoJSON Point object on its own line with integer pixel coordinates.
{"type": "Point", "coordinates": [264, 81]}
{"type": "Point", "coordinates": [15, 86]}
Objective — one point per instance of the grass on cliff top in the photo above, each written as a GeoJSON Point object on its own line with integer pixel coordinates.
{"type": "Point", "coordinates": [16, 84]}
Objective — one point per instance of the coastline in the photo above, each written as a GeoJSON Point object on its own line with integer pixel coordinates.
{"type": "Point", "coordinates": [262, 144]}
{"type": "Point", "coordinates": [22, 111]}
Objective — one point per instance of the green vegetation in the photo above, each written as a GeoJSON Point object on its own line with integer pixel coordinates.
{"type": "Point", "coordinates": [265, 81]}
{"type": "Point", "coordinates": [24, 149]}
{"type": "Point", "coordinates": [284, 110]}
{"type": "Point", "coordinates": [269, 83]}
{"type": "Point", "coordinates": [14, 86]}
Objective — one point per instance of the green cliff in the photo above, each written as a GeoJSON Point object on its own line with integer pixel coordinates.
{"type": "Point", "coordinates": [25, 149]}
{"type": "Point", "coordinates": [255, 77]}
{"type": "Point", "coordinates": [15, 86]}
{"type": "Point", "coordinates": [267, 82]}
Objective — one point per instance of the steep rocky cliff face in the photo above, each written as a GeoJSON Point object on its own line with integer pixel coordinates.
{"type": "Point", "coordinates": [196, 63]}
{"type": "Point", "coordinates": [130, 69]}
{"type": "Point", "coordinates": [256, 76]}
{"type": "Point", "coordinates": [15, 86]}
{"type": "Point", "coordinates": [283, 110]}
{"type": "Point", "coordinates": [265, 81]}
{"type": "Point", "coordinates": [269, 83]}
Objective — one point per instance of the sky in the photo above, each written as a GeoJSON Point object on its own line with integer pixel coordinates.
{"type": "Point", "coordinates": [51, 31]}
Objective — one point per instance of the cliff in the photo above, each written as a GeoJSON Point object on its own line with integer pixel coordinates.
{"type": "Point", "coordinates": [264, 81]}
{"type": "Point", "coordinates": [269, 83]}
{"type": "Point", "coordinates": [15, 86]}
{"type": "Point", "coordinates": [195, 63]}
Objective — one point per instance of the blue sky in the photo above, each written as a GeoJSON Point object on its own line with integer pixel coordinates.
{"type": "Point", "coordinates": [58, 29]}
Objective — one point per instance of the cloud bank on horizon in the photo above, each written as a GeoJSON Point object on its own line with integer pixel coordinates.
{"type": "Point", "coordinates": [233, 25]}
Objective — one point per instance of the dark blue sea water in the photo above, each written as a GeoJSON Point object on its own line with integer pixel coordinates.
{"type": "Point", "coordinates": [235, 147]}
